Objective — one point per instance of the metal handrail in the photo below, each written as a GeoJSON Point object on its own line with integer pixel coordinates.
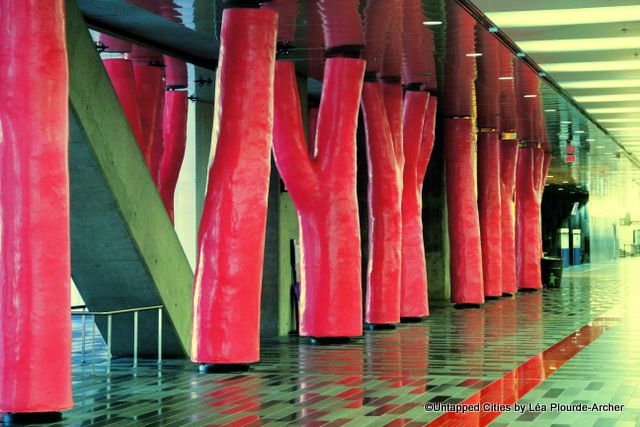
{"type": "Point", "coordinates": [110, 314]}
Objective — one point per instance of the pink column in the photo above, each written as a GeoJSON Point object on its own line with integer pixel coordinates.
{"type": "Point", "coordinates": [35, 328]}
{"type": "Point", "coordinates": [324, 192]}
{"type": "Point", "coordinates": [173, 146]}
{"type": "Point", "coordinates": [120, 72]}
{"type": "Point", "coordinates": [385, 180]}
{"type": "Point", "coordinates": [464, 228]}
{"type": "Point", "coordinates": [508, 156]}
{"type": "Point", "coordinates": [489, 204]}
{"type": "Point", "coordinates": [413, 296]}
{"type": "Point", "coordinates": [228, 277]}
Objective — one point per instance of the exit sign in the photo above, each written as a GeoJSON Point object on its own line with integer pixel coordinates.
{"type": "Point", "coordinates": [570, 158]}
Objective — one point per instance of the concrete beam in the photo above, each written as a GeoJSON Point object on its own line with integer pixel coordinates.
{"type": "Point", "coordinates": [124, 251]}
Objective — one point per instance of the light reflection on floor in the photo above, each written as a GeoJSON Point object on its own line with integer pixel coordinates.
{"type": "Point", "coordinates": [385, 377]}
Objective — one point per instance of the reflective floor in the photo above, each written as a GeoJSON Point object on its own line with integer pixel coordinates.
{"type": "Point", "coordinates": [574, 345]}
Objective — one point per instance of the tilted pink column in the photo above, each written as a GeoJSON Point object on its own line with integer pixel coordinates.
{"type": "Point", "coordinates": [489, 204]}
{"type": "Point", "coordinates": [323, 190]}
{"type": "Point", "coordinates": [173, 147]}
{"type": "Point", "coordinates": [385, 181]}
{"type": "Point", "coordinates": [35, 323]}
{"type": "Point", "coordinates": [464, 228]}
{"type": "Point", "coordinates": [120, 72]}
{"type": "Point", "coordinates": [228, 277]}
{"type": "Point", "coordinates": [508, 156]}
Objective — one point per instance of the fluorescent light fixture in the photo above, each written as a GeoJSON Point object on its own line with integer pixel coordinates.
{"type": "Point", "coordinates": [473, 54]}
{"type": "Point", "coordinates": [579, 45]}
{"type": "Point", "coordinates": [601, 84]}
{"type": "Point", "coordinates": [505, 78]}
{"type": "Point", "coordinates": [619, 97]}
{"type": "Point", "coordinates": [572, 67]}
{"type": "Point", "coordinates": [614, 110]}
{"type": "Point", "coordinates": [550, 110]}
{"type": "Point", "coordinates": [432, 23]}
{"type": "Point", "coordinates": [591, 140]}
{"type": "Point", "coordinates": [565, 122]}
{"type": "Point", "coordinates": [565, 182]}
{"type": "Point", "coordinates": [631, 128]}
{"type": "Point", "coordinates": [577, 16]}
{"type": "Point", "coordinates": [549, 176]}
{"type": "Point", "coordinates": [530, 96]}
{"type": "Point", "coordinates": [599, 146]}
{"type": "Point", "coordinates": [636, 120]}
{"type": "Point", "coordinates": [578, 131]}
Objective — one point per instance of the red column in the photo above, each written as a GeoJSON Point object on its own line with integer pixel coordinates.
{"type": "Point", "coordinates": [226, 299]}
{"type": "Point", "coordinates": [150, 92]}
{"type": "Point", "coordinates": [120, 72]}
{"type": "Point", "coordinates": [324, 192]}
{"type": "Point", "coordinates": [489, 204]}
{"type": "Point", "coordinates": [35, 327]}
{"type": "Point", "coordinates": [174, 144]}
{"type": "Point", "coordinates": [508, 155]}
{"type": "Point", "coordinates": [385, 217]}
{"type": "Point", "coordinates": [508, 159]}
{"type": "Point", "coordinates": [413, 295]}
{"type": "Point", "coordinates": [385, 180]}
{"type": "Point", "coordinates": [464, 228]}
{"type": "Point", "coordinates": [527, 225]}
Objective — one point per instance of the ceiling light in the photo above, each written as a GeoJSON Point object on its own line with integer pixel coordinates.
{"type": "Point", "coordinates": [626, 129]}
{"type": "Point", "coordinates": [432, 23]}
{"type": "Point", "coordinates": [552, 17]}
{"type": "Point", "coordinates": [550, 110]}
{"type": "Point", "coordinates": [619, 97]}
{"type": "Point", "coordinates": [565, 182]}
{"type": "Point", "coordinates": [549, 176]}
{"type": "Point", "coordinates": [530, 96]}
{"type": "Point", "coordinates": [578, 131]}
{"type": "Point", "coordinates": [474, 54]}
{"type": "Point", "coordinates": [620, 120]}
{"type": "Point", "coordinates": [565, 122]}
{"type": "Point", "coordinates": [579, 45]}
{"type": "Point", "coordinates": [614, 110]}
{"type": "Point", "coordinates": [591, 140]}
{"type": "Point", "coordinates": [573, 67]}
{"type": "Point", "coordinates": [601, 84]}
{"type": "Point", "coordinates": [599, 146]}
{"type": "Point", "coordinates": [505, 78]}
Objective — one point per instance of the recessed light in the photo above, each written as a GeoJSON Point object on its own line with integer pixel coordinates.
{"type": "Point", "coordinates": [505, 78]}
{"type": "Point", "coordinates": [578, 131]}
{"type": "Point", "coordinates": [432, 23]}
{"type": "Point", "coordinates": [474, 54]}
{"type": "Point", "coordinates": [565, 122]}
{"type": "Point", "coordinates": [591, 139]}
{"type": "Point", "coordinates": [550, 110]}
{"type": "Point", "coordinates": [530, 96]}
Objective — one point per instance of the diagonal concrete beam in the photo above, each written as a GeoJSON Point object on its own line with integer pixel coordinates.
{"type": "Point", "coordinates": [124, 250]}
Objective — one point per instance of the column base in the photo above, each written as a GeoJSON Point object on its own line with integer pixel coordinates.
{"type": "Point", "coordinates": [21, 418]}
{"type": "Point", "coordinates": [507, 294]}
{"type": "Point", "coordinates": [416, 319]}
{"type": "Point", "coordinates": [491, 297]}
{"type": "Point", "coordinates": [223, 368]}
{"type": "Point", "coordinates": [465, 306]}
{"type": "Point", "coordinates": [380, 326]}
{"type": "Point", "coordinates": [528, 290]}
{"type": "Point", "coordinates": [329, 340]}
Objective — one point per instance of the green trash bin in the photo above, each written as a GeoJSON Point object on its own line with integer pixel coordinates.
{"type": "Point", "coordinates": [551, 271]}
